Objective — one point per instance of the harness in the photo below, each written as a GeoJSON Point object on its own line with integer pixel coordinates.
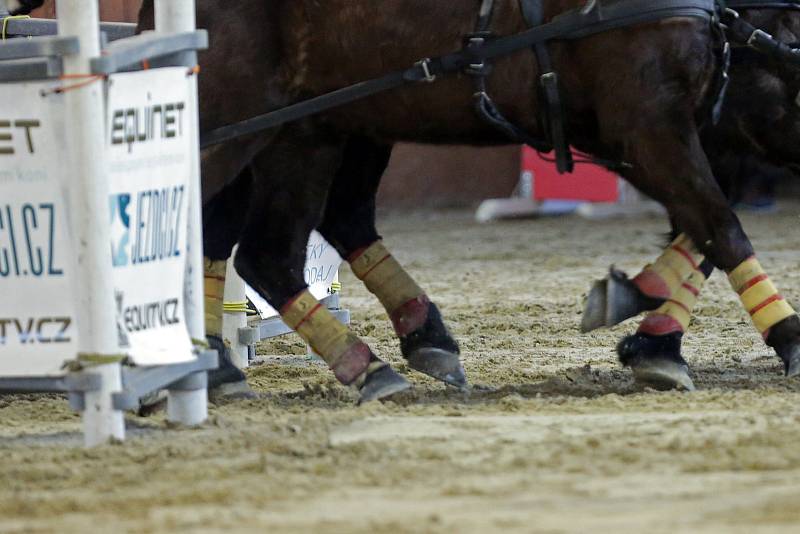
{"type": "Point", "coordinates": [482, 46]}
{"type": "Point", "coordinates": [746, 34]}
{"type": "Point", "coordinates": [474, 59]}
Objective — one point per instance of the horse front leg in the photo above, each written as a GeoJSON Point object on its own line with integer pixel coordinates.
{"type": "Point", "coordinates": [349, 225]}
{"type": "Point", "coordinates": [291, 183]}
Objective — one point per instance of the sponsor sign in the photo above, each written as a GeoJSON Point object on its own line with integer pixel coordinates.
{"type": "Point", "coordinates": [37, 317]}
{"type": "Point", "coordinates": [149, 145]}
{"type": "Point", "coordinates": [322, 267]}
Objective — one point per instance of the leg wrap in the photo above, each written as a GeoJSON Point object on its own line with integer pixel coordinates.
{"type": "Point", "coordinates": [759, 296]}
{"type": "Point", "coordinates": [345, 354]}
{"type": "Point", "coordinates": [214, 290]}
{"type": "Point", "coordinates": [664, 277]}
{"type": "Point", "coordinates": [403, 299]}
{"type": "Point", "coordinates": [675, 314]}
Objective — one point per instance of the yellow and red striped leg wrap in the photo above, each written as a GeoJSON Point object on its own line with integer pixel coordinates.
{"type": "Point", "coordinates": [214, 292]}
{"type": "Point", "coordinates": [759, 296]}
{"type": "Point", "coordinates": [404, 301]}
{"type": "Point", "coordinates": [675, 314]}
{"type": "Point", "coordinates": [343, 351]}
{"type": "Point", "coordinates": [675, 265]}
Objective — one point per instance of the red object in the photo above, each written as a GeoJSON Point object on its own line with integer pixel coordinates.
{"type": "Point", "coordinates": [588, 183]}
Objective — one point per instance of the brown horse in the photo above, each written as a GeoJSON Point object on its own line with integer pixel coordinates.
{"type": "Point", "coordinates": [323, 172]}
{"type": "Point", "coordinates": [761, 118]}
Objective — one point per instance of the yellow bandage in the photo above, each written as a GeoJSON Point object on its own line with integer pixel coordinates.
{"type": "Point", "coordinates": [680, 306]}
{"type": "Point", "coordinates": [677, 262]}
{"type": "Point", "coordinates": [759, 295]}
{"type": "Point", "coordinates": [214, 292]}
{"type": "Point", "coordinates": [319, 328]}
{"type": "Point", "coordinates": [385, 277]}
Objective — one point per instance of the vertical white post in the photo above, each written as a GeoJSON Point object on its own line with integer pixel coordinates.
{"type": "Point", "coordinates": [189, 407]}
{"type": "Point", "coordinates": [234, 320]}
{"type": "Point", "coordinates": [89, 219]}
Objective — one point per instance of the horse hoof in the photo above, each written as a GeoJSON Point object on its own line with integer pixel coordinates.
{"type": "Point", "coordinates": [623, 298]}
{"type": "Point", "coordinates": [793, 363]}
{"type": "Point", "coordinates": [381, 384]}
{"type": "Point", "coordinates": [663, 374]}
{"type": "Point", "coordinates": [594, 311]}
{"type": "Point", "coordinates": [439, 364]}
{"type": "Point", "coordinates": [656, 361]}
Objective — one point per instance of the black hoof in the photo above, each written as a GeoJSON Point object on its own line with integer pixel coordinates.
{"type": "Point", "coordinates": [381, 384]}
{"type": "Point", "coordinates": [226, 379]}
{"type": "Point", "coordinates": [614, 300]}
{"type": "Point", "coordinates": [439, 364]}
{"type": "Point", "coordinates": [594, 311]}
{"type": "Point", "coordinates": [791, 361]}
{"type": "Point", "coordinates": [656, 361]}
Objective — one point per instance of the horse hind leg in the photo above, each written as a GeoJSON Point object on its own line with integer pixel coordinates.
{"type": "Point", "coordinates": [698, 207]}
{"type": "Point", "coordinates": [349, 224]}
{"type": "Point", "coordinates": [617, 297]}
{"type": "Point", "coordinates": [654, 352]}
{"type": "Point", "coordinates": [292, 179]}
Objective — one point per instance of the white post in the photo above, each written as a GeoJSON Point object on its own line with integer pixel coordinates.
{"type": "Point", "coordinates": [189, 407]}
{"type": "Point", "coordinates": [234, 320]}
{"type": "Point", "coordinates": [89, 220]}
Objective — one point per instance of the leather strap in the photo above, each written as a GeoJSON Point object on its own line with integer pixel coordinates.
{"type": "Point", "coordinates": [572, 24]}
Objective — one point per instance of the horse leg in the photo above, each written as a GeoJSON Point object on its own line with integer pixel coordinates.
{"type": "Point", "coordinates": [617, 297]}
{"type": "Point", "coordinates": [223, 220]}
{"type": "Point", "coordinates": [654, 351]}
{"type": "Point", "coordinates": [698, 207]}
{"type": "Point", "coordinates": [349, 225]}
{"type": "Point", "coordinates": [292, 180]}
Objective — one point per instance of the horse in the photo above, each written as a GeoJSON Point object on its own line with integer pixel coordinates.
{"type": "Point", "coordinates": [268, 191]}
{"type": "Point", "coordinates": [762, 119]}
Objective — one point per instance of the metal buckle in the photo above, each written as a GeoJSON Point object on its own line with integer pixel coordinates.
{"type": "Point", "coordinates": [477, 42]}
{"type": "Point", "coordinates": [425, 64]}
{"type": "Point", "coordinates": [756, 34]}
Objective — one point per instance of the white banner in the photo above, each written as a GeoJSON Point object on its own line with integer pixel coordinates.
{"type": "Point", "coordinates": [322, 268]}
{"type": "Point", "coordinates": [37, 316]}
{"type": "Point", "coordinates": [149, 146]}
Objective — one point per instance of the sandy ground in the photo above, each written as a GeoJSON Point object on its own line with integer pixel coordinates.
{"type": "Point", "coordinates": [554, 438]}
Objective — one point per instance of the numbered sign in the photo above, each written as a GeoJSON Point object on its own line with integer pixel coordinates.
{"type": "Point", "coordinates": [37, 316]}
{"type": "Point", "coordinates": [149, 156]}
{"type": "Point", "coordinates": [322, 266]}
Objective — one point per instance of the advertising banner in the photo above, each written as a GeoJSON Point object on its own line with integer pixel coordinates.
{"type": "Point", "coordinates": [149, 162]}
{"type": "Point", "coordinates": [38, 330]}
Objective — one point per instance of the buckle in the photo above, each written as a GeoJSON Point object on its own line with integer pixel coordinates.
{"type": "Point", "coordinates": [756, 35]}
{"type": "Point", "coordinates": [425, 65]}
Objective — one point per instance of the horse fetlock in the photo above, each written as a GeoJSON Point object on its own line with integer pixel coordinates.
{"type": "Point", "coordinates": [656, 361]}
{"type": "Point", "coordinates": [665, 276]}
{"type": "Point", "coordinates": [400, 295]}
{"type": "Point", "coordinates": [676, 313]}
{"type": "Point", "coordinates": [767, 308]}
{"type": "Point", "coordinates": [346, 355]}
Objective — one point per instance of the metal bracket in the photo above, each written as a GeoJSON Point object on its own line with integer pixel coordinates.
{"type": "Point", "coordinates": [126, 53]}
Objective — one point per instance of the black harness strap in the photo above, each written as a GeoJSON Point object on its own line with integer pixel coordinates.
{"type": "Point", "coordinates": [744, 33]}
{"type": "Point", "coordinates": [553, 117]}
{"type": "Point", "coordinates": [572, 24]}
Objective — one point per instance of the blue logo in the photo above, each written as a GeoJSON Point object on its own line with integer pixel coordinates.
{"type": "Point", "coordinates": [120, 229]}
